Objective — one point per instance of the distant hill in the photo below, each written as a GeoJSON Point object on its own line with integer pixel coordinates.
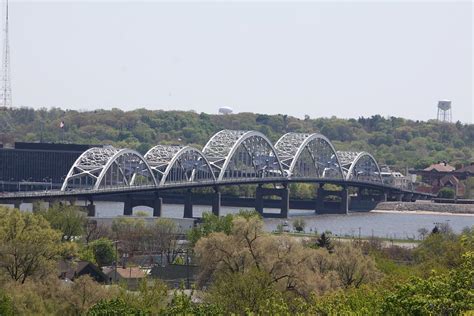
{"type": "Point", "coordinates": [394, 141]}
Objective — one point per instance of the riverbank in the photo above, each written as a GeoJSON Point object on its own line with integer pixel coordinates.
{"type": "Point", "coordinates": [422, 213]}
{"type": "Point", "coordinates": [424, 207]}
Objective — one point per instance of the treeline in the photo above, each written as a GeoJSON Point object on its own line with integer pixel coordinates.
{"type": "Point", "coordinates": [394, 141]}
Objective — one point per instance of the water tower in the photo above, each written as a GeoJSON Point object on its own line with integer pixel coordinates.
{"type": "Point", "coordinates": [225, 110]}
{"type": "Point", "coordinates": [444, 111]}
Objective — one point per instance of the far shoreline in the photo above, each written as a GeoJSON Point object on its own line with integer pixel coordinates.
{"type": "Point", "coordinates": [420, 212]}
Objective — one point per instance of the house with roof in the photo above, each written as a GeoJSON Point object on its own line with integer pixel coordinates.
{"type": "Point", "coordinates": [131, 276]}
{"type": "Point", "coordinates": [441, 175]}
{"type": "Point", "coordinates": [71, 270]}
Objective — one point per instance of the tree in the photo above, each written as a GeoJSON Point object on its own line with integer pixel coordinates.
{"type": "Point", "coordinates": [324, 241]}
{"type": "Point", "coordinates": [182, 304]}
{"type": "Point", "coordinates": [83, 294]}
{"type": "Point", "coordinates": [211, 223]}
{"type": "Point", "coordinates": [291, 266]}
{"type": "Point", "coordinates": [164, 238]}
{"type": "Point", "coordinates": [352, 267]}
{"type": "Point", "coordinates": [441, 294]}
{"type": "Point", "coordinates": [440, 250]}
{"type": "Point", "coordinates": [446, 193]}
{"type": "Point", "coordinates": [93, 231]}
{"type": "Point", "coordinates": [69, 220]}
{"type": "Point", "coordinates": [251, 292]}
{"type": "Point", "coordinates": [299, 224]}
{"type": "Point", "coordinates": [103, 251]}
{"type": "Point", "coordinates": [423, 232]}
{"type": "Point", "coordinates": [131, 232]}
{"type": "Point", "coordinates": [28, 246]}
{"type": "Point", "coordinates": [115, 306]}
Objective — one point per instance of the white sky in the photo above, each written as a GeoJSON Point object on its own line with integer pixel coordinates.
{"type": "Point", "coordinates": [347, 59]}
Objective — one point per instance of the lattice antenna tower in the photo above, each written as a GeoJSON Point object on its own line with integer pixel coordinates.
{"type": "Point", "coordinates": [6, 93]}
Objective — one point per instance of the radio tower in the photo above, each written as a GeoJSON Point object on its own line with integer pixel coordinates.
{"type": "Point", "coordinates": [6, 93]}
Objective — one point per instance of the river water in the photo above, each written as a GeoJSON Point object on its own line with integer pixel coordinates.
{"type": "Point", "coordinates": [380, 224]}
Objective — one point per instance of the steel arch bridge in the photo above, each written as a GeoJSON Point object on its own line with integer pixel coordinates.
{"type": "Point", "coordinates": [242, 154]}
{"type": "Point", "coordinates": [360, 166]}
{"type": "Point", "coordinates": [105, 167]}
{"type": "Point", "coordinates": [229, 156]}
{"type": "Point", "coordinates": [308, 155]}
{"type": "Point", "coordinates": [173, 164]}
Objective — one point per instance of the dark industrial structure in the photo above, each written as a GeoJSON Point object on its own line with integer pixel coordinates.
{"type": "Point", "coordinates": [36, 166]}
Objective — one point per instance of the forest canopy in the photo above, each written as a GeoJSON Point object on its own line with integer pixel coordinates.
{"type": "Point", "coordinates": [394, 141]}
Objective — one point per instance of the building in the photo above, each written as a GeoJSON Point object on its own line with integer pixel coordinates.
{"type": "Point", "coordinates": [395, 178]}
{"type": "Point", "coordinates": [131, 276]}
{"type": "Point", "coordinates": [175, 274]}
{"type": "Point", "coordinates": [36, 166]}
{"type": "Point", "coordinates": [70, 270]}
{"type": "Point", "coordinates": [441, 175]}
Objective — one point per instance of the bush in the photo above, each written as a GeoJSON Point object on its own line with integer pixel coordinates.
{"type": "Point", "coordinates": [299, 225]}
{"type": "Point", "coordinates": [446, 193]}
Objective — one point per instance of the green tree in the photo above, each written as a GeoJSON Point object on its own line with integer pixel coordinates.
{"type": "Point", "coordinates": [439, 251]}
{"type": "Point", "coordinates": [324, 241]}
{"type": "Point", "coordinates": [366, 300]}
{"type": "Point", "coordinates": [182, 304]}
{"type": "Point", "coordinates": [69, 220]}
{"type": "Point", "coordinates": [28, 245]}
{"type": "Point", "coordinates": [247, 293]}
{"type": "Point", "coordinates": [446, 193]}
{"type": "Point", "coordinates": [210, 224]}
{"type": "Point", "coordinates": [115, 306]}
{"type": "Point", "coordinates": [103, 251]}
{"type": "Point", "coordinates": [441, 294]}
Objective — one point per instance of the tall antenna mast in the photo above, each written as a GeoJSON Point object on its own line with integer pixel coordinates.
{"type": "Point", "coordinates": [6, 93]}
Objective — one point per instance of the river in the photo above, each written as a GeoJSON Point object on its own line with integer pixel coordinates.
{"type": "Point", "coordinates": [381, 224]}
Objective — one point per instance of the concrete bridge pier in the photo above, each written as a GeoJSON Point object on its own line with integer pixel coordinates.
{"type": "Point", "coordinates": [157, 206]}
{"type": "Point", "coordinates": [344, 207]}
{"type": "Point", "coordinates": [367, 199]}
{"type": "Point", "coordinates": [323, 206]}
{"type": "Point", "coordinates": [90, 209]}
{"type": "Point", "coordinates": [155, 202]}
{"type": "Point", "coordinates": [283, 193]}
{"type": "Point", "coordinates": [128, 206]}
{"type": "Point", "coordinates": [216, 203]}
{"type": "Point", "coordinates": [188, 204]}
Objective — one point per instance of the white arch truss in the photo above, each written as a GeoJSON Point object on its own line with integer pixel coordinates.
{"type": "Point", "coordinates": [172, 164]}
{"type": "Point", "coordinates": [360, 166]}
{"type": "Point", "coordinates": [242, 154]}
{"type": "Point", "coordinates": [107, 167]}
{"type": "Point", "coordinates": [308, 155]}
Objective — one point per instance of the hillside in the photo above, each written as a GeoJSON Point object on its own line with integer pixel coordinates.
{"type": "Point", "coordinates": [394, 141]}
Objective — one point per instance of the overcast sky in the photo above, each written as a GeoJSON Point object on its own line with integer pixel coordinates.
{"type": "Point", "coordinates": [346, 59]}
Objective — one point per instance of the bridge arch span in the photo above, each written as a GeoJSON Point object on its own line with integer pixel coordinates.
{"type": "Point", "coordinates": [175, 164]}
{"type": "Point", "coordinates": [360, 166]}
{"type": "Point", "coordinates": [242, 154]}
{"type": "Point", "coordinates": [102, 167]}
{"type": "Point", "coordinates": [308, 155]}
